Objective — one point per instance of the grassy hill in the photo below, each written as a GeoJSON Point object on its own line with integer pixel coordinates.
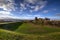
{"type": "Point", "coordinates": [29, 31]}
{"type": "Point", "coordinates": [30, 28]}
{"type": "Point", "coordinates": [9, 35]}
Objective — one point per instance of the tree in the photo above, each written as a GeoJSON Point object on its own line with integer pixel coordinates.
{"type": "Point", "coordinates": [47, 19]}
{"type": "Point", "coordinates": [36, 18]}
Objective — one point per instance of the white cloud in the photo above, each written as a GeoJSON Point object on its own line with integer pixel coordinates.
{"type": "Point", "coordinates": [45, 11]}
{"type": "Point", "coordinates": [32, 6]}
{"type": "Point", "coordinates": [31, 1]}
{"type": "Point", "coordinates": [36, 8]}
{"type": "Point", "coordinates": [27, 16]}
{"type": "Point", "coordinates": [42, 6]}
{"type": "Point", "coordinates": [7, 5]}
{"type": "Point", "coordinates": [31, 11]}
{"type": "Point", "coordinates": [39, 5]}
{"type": "Point", "coordinates": [22, 6]}
{"type": "Point", "coordinates": [6, 15]}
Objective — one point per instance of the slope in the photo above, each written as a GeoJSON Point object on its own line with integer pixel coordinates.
{"type": "Point", "coordinates": [9, 35]}
{"type": "Point", "coordinates": [30, 28]}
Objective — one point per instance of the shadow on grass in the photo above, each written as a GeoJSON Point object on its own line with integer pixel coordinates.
{"type": "Point", "coordinates": [10, 26]}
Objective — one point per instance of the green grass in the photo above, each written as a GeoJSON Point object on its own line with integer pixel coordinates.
{"type": "Point", "coordinates": [30, 31]}
{"type": "Point", "coordinates": [9, 35]}
{"type": "Point", "coordinates": [29, 28]}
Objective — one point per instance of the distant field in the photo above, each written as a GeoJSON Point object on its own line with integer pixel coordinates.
{"type": "Point", "coordinates": [28, 31]}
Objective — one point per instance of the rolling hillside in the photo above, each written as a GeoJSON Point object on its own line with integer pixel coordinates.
{"type": "Point", "coordinates": [30, 31]}
{"type": "Point", "coordinates": [30, 28]}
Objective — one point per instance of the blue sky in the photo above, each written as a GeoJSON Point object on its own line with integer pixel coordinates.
{"type": "Point", "coordinates": [29, 9]}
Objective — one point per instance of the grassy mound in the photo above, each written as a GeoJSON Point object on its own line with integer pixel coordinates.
{"type": "Point", "coordinates": [29, 28]}
{"type": "Point", "coordinates": [9, 35]}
